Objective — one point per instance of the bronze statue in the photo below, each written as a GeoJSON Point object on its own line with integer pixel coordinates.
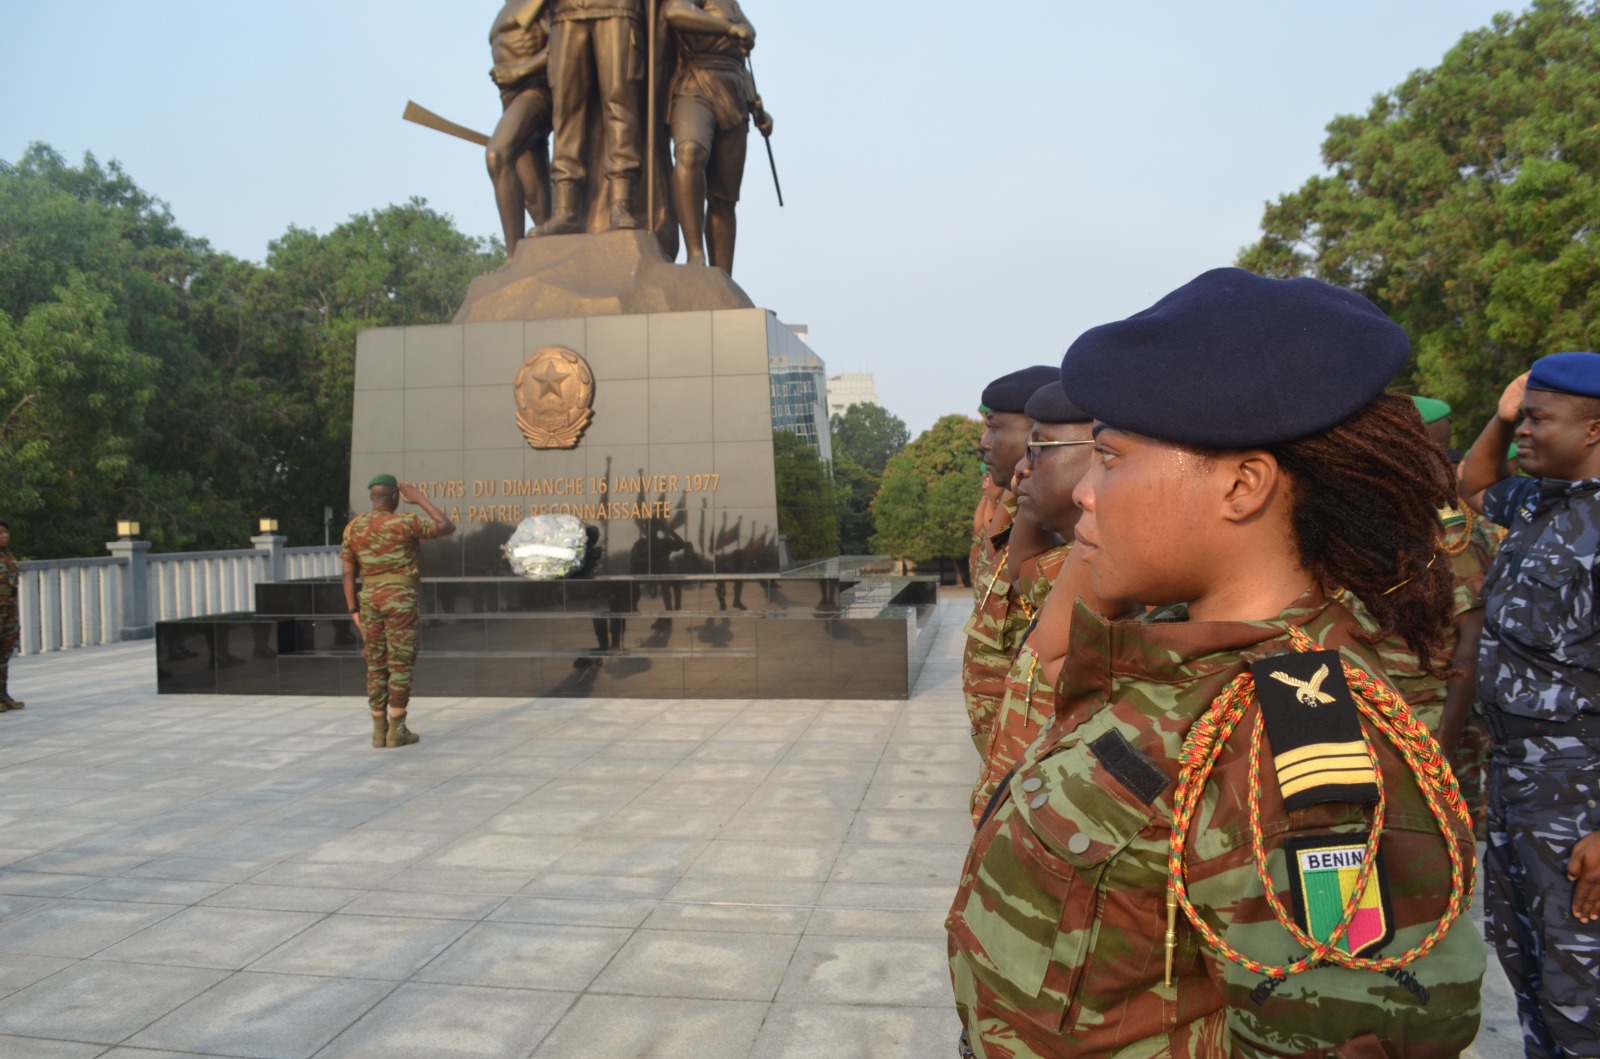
{"type": "Point", "coordinates": [709, 106]}
{"type": "Point", "coordinates": [518, 149]}
{"type": "Point", "coordinates": [599, 42]}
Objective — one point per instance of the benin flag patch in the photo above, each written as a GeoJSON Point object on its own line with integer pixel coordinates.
{"type": "Point", "coordinates": [1322, 877]}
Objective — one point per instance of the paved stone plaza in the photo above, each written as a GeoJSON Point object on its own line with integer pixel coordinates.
{"type": "Point", "coordinates": [238, 876]}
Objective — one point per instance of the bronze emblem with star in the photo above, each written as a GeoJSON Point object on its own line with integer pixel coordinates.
{"type": "Point", "coordinates": [555, 392]}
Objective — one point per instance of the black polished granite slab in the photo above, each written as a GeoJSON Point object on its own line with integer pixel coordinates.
{"type": "Point", "coordinates": [835, 629]}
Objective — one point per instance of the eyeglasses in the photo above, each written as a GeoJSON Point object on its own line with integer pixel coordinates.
{"type": "Point", "coordinates": [1034, 447]}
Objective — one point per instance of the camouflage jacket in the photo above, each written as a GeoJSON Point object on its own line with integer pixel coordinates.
{"type": "Point", "coordinates": [384, 544]}
{"type": "Point", "coordinates": [1474, 551]}
{"type": "Point", "coordinates": [995, 628]}
{"type": "Point", "coordinates": [10, 575]}
{"type": "Point", "coordinates": [1540, 652]}
{"type": "Point", "coordinates": [1028, 700]}
{"type": "Point", "coordinates": [1057, 932]}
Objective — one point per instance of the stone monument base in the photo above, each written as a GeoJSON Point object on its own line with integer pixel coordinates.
{"type": "Point", "coordinates": [605, 274]}
{"type": "Point", "coordinates": [843, 629]}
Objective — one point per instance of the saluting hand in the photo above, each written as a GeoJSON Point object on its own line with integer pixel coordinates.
{"type": "Point", "coordinates": [1584, 869]}
{"type": "Point", "coordinates": [1510, 409]}
{"type": "Point", "coordinates": [408, 493]}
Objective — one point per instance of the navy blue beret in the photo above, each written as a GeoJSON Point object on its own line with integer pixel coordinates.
{"type": "Point", "coordinates": [1010, 393]}
{"type": "Point", "coordinates": [1232, 359]}
{"type": "Point", "coordinates": [1049, 404]}
{"type": "Point", "coordinates": [1577, 373]}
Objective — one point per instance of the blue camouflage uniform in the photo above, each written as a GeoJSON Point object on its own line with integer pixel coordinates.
{"type": "Point", "coordinates": [1539, 677]}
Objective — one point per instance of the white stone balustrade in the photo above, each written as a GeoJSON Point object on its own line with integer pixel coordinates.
{"type": "Point", "coordinates": [68, 603]}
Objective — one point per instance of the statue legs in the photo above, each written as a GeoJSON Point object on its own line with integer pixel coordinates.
{"type": "Point", "coordinates": [613, 45]}
{"type": "Point", "coordinates": [689, 196]}
{"type": "Point", "coordinates": [708, 168]}
{"type": "Point", "coordinates": [724, 175]}
{"type": "Point", "coordinates": [514, 157]}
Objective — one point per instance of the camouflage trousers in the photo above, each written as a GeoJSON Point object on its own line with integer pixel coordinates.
{"type": "Point", "coordinates": [1536, 815]}
{"type": "Point", "coordinates": [389, 626]}
{"type": "Point", "coordinates": [10, 636]}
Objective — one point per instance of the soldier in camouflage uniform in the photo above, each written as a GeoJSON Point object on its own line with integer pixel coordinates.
{"type": "Point", "coordinates": [1056, 457]}
{"type": "Point", "coordinates": [1219, 487]}
{"type": "Point", "coordinates": [10, 630]}
{"type": "Point", "coordinates": [998, 622]}
{"type": "Point", "coordinates": [381, 548]}
{"type": "Point", "coordinates": [1539, 674]}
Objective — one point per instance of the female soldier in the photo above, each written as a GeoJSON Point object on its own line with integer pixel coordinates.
{"type": "Point", "coordinates": [1247, 466]}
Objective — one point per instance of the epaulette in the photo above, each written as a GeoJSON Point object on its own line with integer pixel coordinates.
{"type": "Point", "coordinates": [1314, 729]}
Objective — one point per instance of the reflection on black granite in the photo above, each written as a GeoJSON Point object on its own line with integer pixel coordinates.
{"type": "Point", "coordinates": [836, 629]}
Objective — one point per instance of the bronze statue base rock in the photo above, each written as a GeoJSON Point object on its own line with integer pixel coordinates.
{"type": "Point", "coordinates": [600, 274]}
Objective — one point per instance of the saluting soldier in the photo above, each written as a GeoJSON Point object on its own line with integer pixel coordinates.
{"type": "Point", "coordinates": [1057, 455]}
{"type": "Point", "coordinates": [380, 547]}
{"type": "Point", "coordinates": [1113, 900]}
{"type": "Point", "coordinates": [997, 621]}
{"type": "Point", "coordinates": [10, 626]}
{"type": "Point", "coordinates": [1539, 674]}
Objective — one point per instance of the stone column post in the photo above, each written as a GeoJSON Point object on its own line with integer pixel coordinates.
{"type": "Point", "coordinates": [136, 624]}
{"type": "Point", "coordinates": [272, 544]}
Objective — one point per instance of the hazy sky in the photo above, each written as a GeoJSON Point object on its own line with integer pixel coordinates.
{"type": "Point", "coordinates": [969, 185]}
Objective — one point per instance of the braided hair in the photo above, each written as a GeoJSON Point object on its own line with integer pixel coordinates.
{"type": "Point", "coordinates": [1367, 495]}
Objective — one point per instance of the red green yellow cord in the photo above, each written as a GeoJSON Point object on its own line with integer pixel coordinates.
{"type": "Point", "coordinates": [1459, 544]}
{"type": "Point", "coordinates": [1387, 712]}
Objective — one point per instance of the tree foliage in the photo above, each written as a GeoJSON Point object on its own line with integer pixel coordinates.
{"type": "Point", "coordinates": [805, 499]}
{"type": "Point", "coordinates": [1465, 204]}
{"type": "Point", "coordinates": [145, 375]}
{"type": "Point", "coordinates": [865, 436]}
{"type": "Point", "coordinates": [923, 509]}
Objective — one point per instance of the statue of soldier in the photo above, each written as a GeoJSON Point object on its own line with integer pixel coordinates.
{"type": "Point", "coordinates": [518, 152]}
{"type": "Point", "coordinates": [598, 41]}
{"type": "Point", "coordinates": [709, 107]}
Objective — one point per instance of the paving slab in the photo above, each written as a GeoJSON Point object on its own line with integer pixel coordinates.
{"type": "Point", "coordinates": [189, 877]}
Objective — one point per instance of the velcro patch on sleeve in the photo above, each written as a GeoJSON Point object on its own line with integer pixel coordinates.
{"type": "Point", "coordinates": [1129, 764]}
{"type": "Point", "coordinates": [1314, 729]}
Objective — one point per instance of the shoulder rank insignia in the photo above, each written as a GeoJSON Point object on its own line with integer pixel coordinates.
{"type": "Point", "coordinates": [1314, 729]}
{"type": "Point", "coordinates": [1322, 878]}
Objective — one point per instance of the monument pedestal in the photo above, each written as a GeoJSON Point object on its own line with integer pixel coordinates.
{"type": "Point", "coordinates": [840, 630]}
{"type": "Point", "coordinates": [703, 471]}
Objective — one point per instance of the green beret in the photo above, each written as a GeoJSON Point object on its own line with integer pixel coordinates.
{"type": "Point", "coordinates": [383, 479]}
{"type": "Point", "coordinates": [1431, 409]}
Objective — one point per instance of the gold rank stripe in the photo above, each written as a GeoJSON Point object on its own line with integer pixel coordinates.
{"type": "Point", "coordinates": [1323, 764]}
{"type": "Point", "coordinates": [1318, 750]}
{"type": "Point", "coordinates": [1341, 763]}
{"type": "Point", "coordinates": [1325, 779]}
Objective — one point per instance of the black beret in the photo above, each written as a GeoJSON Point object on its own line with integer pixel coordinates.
{"type": "Point", "coordinates": [1232, 359]}
{"type": "Point", "coordinates": [1049, 404]}
{"type": "Point", "coordinates": [1010, 393]}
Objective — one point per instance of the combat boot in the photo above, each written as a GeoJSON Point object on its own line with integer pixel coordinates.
{"type": "Point", "coordinates": [399, 734]}
{"type": "Point", "coordinates": [380, 731]}
{"type": "Point", "coordinates": [622, 217]}
{"type": "Point", "coordinates": [6, 701]}
{"type": "Point", "coordinates": [564, 219]}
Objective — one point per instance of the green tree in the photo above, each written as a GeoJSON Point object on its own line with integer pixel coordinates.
{"type": "Point", "coordinates": [398, 266]}
{"type": "Point", "coordinates": [1464, 203]}
{"type": "Point", "coordinates": [923, 510]}
{"type": "Point", "coordinates": [865, 436]}
{"type": "Point", "coordinates": [143, 374]}
{"type": "Point", "coordinates": [805, 499]}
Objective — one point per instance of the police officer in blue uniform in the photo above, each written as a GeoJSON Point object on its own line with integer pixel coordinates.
{"type": "Point", "coordinates": [1539, 676]}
